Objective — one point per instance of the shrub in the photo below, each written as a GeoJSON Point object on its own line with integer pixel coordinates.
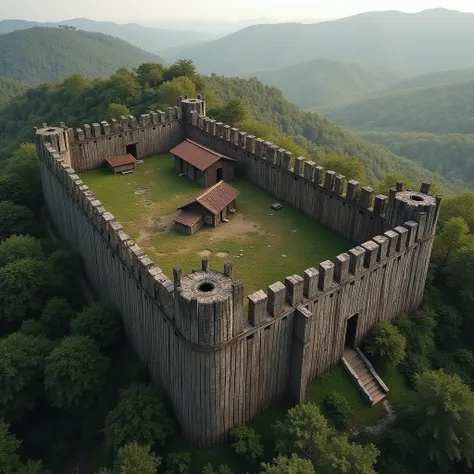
{"type": "Point", "coordinates": [338, 409]}
{"type": "Point", "coordinates": [140, 416]}
{"type": "Point", "coordinates": [386, 343]}
{"type": "Point", "coordinates": [99, 323]}
{"type": "Point", "coordinates": [247, 442]}
{"type": "Point", "coordinates": [178, 463]}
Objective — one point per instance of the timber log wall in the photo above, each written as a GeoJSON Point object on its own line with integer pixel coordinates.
{"type": "Point", "coordinates": [219, 366]}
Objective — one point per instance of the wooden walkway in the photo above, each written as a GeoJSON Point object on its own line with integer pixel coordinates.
{"type": "Point", "coordinates": [362, 372]}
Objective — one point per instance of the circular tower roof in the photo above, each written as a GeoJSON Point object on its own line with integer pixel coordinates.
{"type": "Point", "coordinates": [206, 286]}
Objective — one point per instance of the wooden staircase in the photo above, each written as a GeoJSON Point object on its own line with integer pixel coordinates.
{"type": "Point", "coordinates": [362, 372]}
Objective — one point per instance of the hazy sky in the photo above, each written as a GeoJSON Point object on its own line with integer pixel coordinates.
{"type": "Point", "coordinates": [122, 10]}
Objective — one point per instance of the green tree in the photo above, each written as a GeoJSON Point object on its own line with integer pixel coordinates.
{"type": "Point", "coordinates": [15, 219]}
{"type": "Point", "coordinates": [338, 409]}
{"type": "Point", "coordinates": [284, 465]}
{"type": "Point", "coordinates": [115, 111]}
{"type": "Point", "coordinates": [14, 189]}
{"type": "Point", "coordinates": [22, 287]}
{"type": "Point", "coordinates": [349, 166]}
{"type": "Point", "coordinates": [18, 247]}
{"type": "Point", "coordinates": [56, 317]}
{"type": "Point", "coordinates": [123, 87]}
{"type": "Point", "coordinates": [178, 463]}
{"type": "Point", "coordinates": [385, 342]}
{"type": "Point", "coordinates": [461, 205]}
{"type": "Point", "coordinates": [140, 415]}
{"type": "Point", "coordinates": [256, 128]}
{"type": "Point", "coordinates": [288, 143]}
{"type": "Point", "coordinates": [234, 111]}
{"type": "Point", "coordinates": [181, 68]}
{"type": "Point", "coordinates": [31, 327]}
{"type": "Point", "coordinates": [150, 74]}
{"type": "Point", "coordinates": [304, 432]}
{"type": "Point", "coordinates": [460, 274]}
{"type": "Point", "coordinates": [22, 360]}
{"type": "Point", "coordinates": [344, 457]}
{"type": "Point", "coordinates": [390, 180]}
{"type": "Point", "coordinates": [247, 442]}
{"type": "Point", "coordinates": [75, 85]}
{"type": "Point", "coordinates": [9, 445]}
{"type": "Point", "coordinates": [440, 412]}
{"type": "Point", "coordinates": [211, 469]}
{"type": "Point", "coordinates": [32, 467]}
{"type": "Point", "coordinates": [99, 322]}
{"type": "Point", "coordinates": [25, 164]}
{"type": "Point", "coordinates": [454, 236]}
{"type": "Point", "coordinates": [134, 458]}
{"type": "Point", "coordinates": [75, 372]}
{"type": "Point", "coordinates": [169, 92]}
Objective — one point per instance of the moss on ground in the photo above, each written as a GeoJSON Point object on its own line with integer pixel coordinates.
{"type": "Point", "coordinates": [265, 246]}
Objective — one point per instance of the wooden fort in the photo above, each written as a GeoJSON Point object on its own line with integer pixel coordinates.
{"type": "Point", "coordinates": [219, 364]}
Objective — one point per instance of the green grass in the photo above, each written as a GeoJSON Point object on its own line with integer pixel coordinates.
{"type": "Point", "coordinates": [337, 380]}
{"type": "Point", "coordinates": [273, 245]}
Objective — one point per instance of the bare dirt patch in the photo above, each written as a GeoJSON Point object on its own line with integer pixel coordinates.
{"type": "Point", "coordinates": [205, 253]}
{"type": "Point", "coordinates": [222, 254]}
{"type": "Point", "coordinates": [238, 228]}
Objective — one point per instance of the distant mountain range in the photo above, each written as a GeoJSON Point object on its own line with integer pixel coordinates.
{"type": "Point", "coordinates": [150, 39]}
{"type": "Point", "coordinates": [413, 43]}
{"type": "Point", "coordinates": [323, 82]}
{"type": "Point", "coordinates": [50, 54]}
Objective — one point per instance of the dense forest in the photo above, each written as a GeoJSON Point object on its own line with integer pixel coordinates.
{"type": "Point", "coordinates": [78, 100]}
{"type": "Point", "coordinates": [435, 109]}
{"type": "Point", "coordinates": [449, 155]}
{"type": "Point", "coordinates": [10, 89]}
{"type": "Point", "coordinates": [50, 54]}
{"type": "Point", "coordinates": [324, 82]}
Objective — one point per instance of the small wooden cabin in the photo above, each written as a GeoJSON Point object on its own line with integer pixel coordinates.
{"type": "Point", "coordinates": [201, 164]}
{"type": "Point", "coordinates": [210, 207]}
{"type": "Point", "coordinates": [121, 164]}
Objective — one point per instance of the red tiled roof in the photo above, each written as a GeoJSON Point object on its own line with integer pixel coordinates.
{"type": "Point", "coordinates": [120, 160]}
{"type": "Point", "coordinates": [187, 218]}
{"type": "Point", "coordinates": [197, 155]}
{"type": "Point", "coordinates": [215, 198]}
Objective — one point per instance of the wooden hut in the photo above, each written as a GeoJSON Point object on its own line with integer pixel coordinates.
{"type": "Point", "coordinates": [210, 207]}
{"type": "Point", "coordinates": [201, 164]}
{"type": "Point", "coordinates": [121, 164]}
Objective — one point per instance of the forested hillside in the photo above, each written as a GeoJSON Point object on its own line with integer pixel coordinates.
{"type": "Point", "coordinates": [78, 100]}
{"type": "Point", "coordinates": [268, 105]}
{"type": "Point", "coordinates": [147, 38]}
{"type": "Point", "coordinates": [433, 79]}
{"type": "Point", "coordinates": [10, 89]}
{"type": "Point", "coordinates": [50, 54]}
{"type": "Point", "coordinates": [450, 155]}
{"type": "Point", "coordinates": [390, 39]}
{"type": "Point", "coordinates": [437, 109]}
{"type": "Point", "coordinates": [323, 82]}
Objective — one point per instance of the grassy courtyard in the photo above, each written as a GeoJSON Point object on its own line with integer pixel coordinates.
{"type": "Point", "coordinates": [265, 246]}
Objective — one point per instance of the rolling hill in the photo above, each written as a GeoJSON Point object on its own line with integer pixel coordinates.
{"type": "Point", "coordinates": [436, 109]}
{"type": "Point", "coordinates": [432, 79]}
{"type": "Point", "coordinates": [10, 89]}
{"type": "Point", "coordinates": [321, 137]}
{"type": "Point", "coordinates": [50, 54]}
{"type": "Point", "coordinates": [149, 39]}
{"type": "Point", "coordinates": [324, 82]}
{"type": "Point", "coordinates": [414, 43]}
